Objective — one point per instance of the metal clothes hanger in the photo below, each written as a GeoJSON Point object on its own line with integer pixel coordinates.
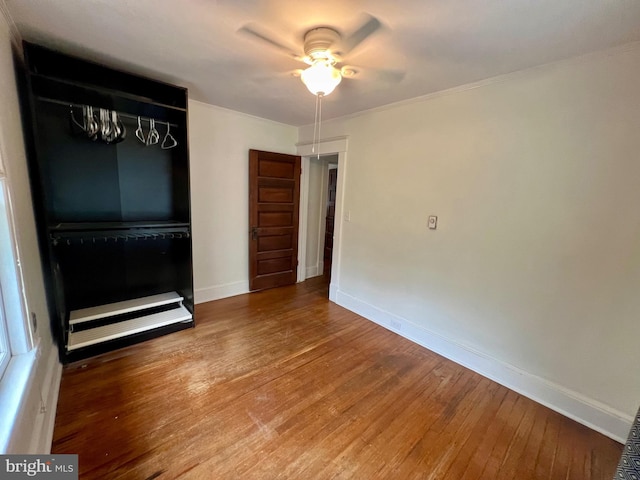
{"type": "Point", "coordinates": [168, 141]}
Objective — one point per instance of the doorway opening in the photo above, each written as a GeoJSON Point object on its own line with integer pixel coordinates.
{"type": "Point", "coordinates": [313, 196]}
{"type": "Point", "coordinates": [321, 209]}
{"type": "Point", "coordinates": [330, 221]}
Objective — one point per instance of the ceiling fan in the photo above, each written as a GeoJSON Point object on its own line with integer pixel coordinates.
{"type": "Point", "coordinates": [324, 50]}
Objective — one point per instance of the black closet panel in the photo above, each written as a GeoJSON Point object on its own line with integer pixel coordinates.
{"type": "Point", "coordinates": [145, 177]}
{"type": "Point", "coordinates": [81, 175]}
{"type": "Point", "coordinates": [51, 64]}
{"type": "Point", "coordinates": [184, 272]}
{"type": "Point", "coordinates": [150, 266]}
{"type": "Point", "coordinates": [180, 176]}
{"type": "Point", "coordinates": [93, 273]}
{"type": "Point", "coordinates": [101, 272]}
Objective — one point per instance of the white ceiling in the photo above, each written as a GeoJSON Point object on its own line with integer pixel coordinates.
{"type": "Point", "coordinates": [438, 44]}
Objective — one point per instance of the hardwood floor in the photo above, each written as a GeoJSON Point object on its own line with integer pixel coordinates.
{"type": "Point", "coordinates": [285, 384]}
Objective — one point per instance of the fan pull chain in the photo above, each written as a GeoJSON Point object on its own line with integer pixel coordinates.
{"type": "Point", "coordinates": [319, 121]}
{"type": "Point", "coordinates": [317, 124]}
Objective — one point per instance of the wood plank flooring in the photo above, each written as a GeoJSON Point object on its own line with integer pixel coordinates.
{"type": "Point", "coordinates": [285, 384]}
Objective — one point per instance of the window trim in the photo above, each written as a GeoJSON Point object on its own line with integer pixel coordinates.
{"type": "Point", "coordinates": [20, 336]}
{"type": "Point", "coordinates": [22, 350]}
{"type": "Point", "coordinates": [5, 350]}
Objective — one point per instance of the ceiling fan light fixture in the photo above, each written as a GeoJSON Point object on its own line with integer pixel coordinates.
{"type": "Point", "coordinates": [321, 78]}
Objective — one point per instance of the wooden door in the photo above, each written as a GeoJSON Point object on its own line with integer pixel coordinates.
{"type": "Point", "coordinates": [329, 223]}
{"type": "Point", "coordinates": [274, 198]}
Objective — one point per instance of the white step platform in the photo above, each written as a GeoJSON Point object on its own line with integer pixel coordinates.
{"type": "Point", "coordinates": [113, 331]}
{"type": "Point", "coordinates": [119, 308]}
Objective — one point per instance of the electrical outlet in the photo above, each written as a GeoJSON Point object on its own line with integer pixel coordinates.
{"type": "Point", "coordinates": [432, 223]}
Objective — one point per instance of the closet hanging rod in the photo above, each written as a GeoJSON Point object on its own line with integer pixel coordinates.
{"type": "Point", "coordinates": [120, 114]}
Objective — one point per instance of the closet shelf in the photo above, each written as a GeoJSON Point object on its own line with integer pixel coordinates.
{"type": "Point", "coordinates": [46, 86]}
{"type": "Point", "coordinates": [115, 236]}
{"type": "Point", "coordinates": [120, 308]}
{"type": "Point", "coordinates": [93, 336]}
{"type": "Point", "coordinates": [110, 232]}
{"type": "Point", "coordinates": [90, 226]}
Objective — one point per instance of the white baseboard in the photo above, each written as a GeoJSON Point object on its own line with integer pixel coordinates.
{"type": "Point", "coordinates": [217, 292]}
{"type": "Point", "coordinates": [43, 430]}
{"type": "Point", "coordinates": [596, 415]}
{"type": "Point", "coordinates": [31, 410]}
{"type": "Point", "coordinates": [312, 272]}
{"type": "Point", "coordinates": [333, 294]}
{"type": "Point", "coordinates": [15, 391]}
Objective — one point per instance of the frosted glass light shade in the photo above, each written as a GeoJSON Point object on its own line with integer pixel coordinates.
{"type": "Point", "coordinates": [321, 78]}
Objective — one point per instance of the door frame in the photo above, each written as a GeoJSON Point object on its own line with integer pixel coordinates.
{"type": "Point", "coordinates": [328, 146]}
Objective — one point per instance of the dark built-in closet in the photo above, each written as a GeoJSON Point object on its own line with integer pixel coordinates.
{"type": "Point", "coordinates": [109, 167]}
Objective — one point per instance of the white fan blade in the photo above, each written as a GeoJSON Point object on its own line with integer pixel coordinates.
{"type": "Point", "coordinates": [255, 31]}
{"type": "Point", "coordinates": [387, 75]}
{"type": "Point", "coordinates": [369, 27]}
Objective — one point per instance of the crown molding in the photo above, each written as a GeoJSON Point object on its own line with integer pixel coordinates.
{"type": "Point", "coordinates": [16, 38]}
{"type": "Point", "coordinates": [237, 112]}
{"type": "Point", "coordinates": [585, 58]}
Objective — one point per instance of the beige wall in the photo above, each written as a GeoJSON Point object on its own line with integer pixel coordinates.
{"type": "Point", "coordinates": [219, 143]}
{"type": "Point", "coordinates": [535, 265]}
{"type": "Point", "coordinates": [31, 425]}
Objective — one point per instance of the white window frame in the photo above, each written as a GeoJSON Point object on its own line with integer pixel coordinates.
{"type": "Point", "coordinates": [5, 346]}
{"type": "Point", "coordinates": [14, 302]}
{"type": "Point", "coordinates": [5, 350]}
{"type": "Point", "coordinates": [19, 347]}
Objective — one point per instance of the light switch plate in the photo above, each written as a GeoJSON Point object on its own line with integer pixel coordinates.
{"type": "Point", "coordinates": [433, 222]}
